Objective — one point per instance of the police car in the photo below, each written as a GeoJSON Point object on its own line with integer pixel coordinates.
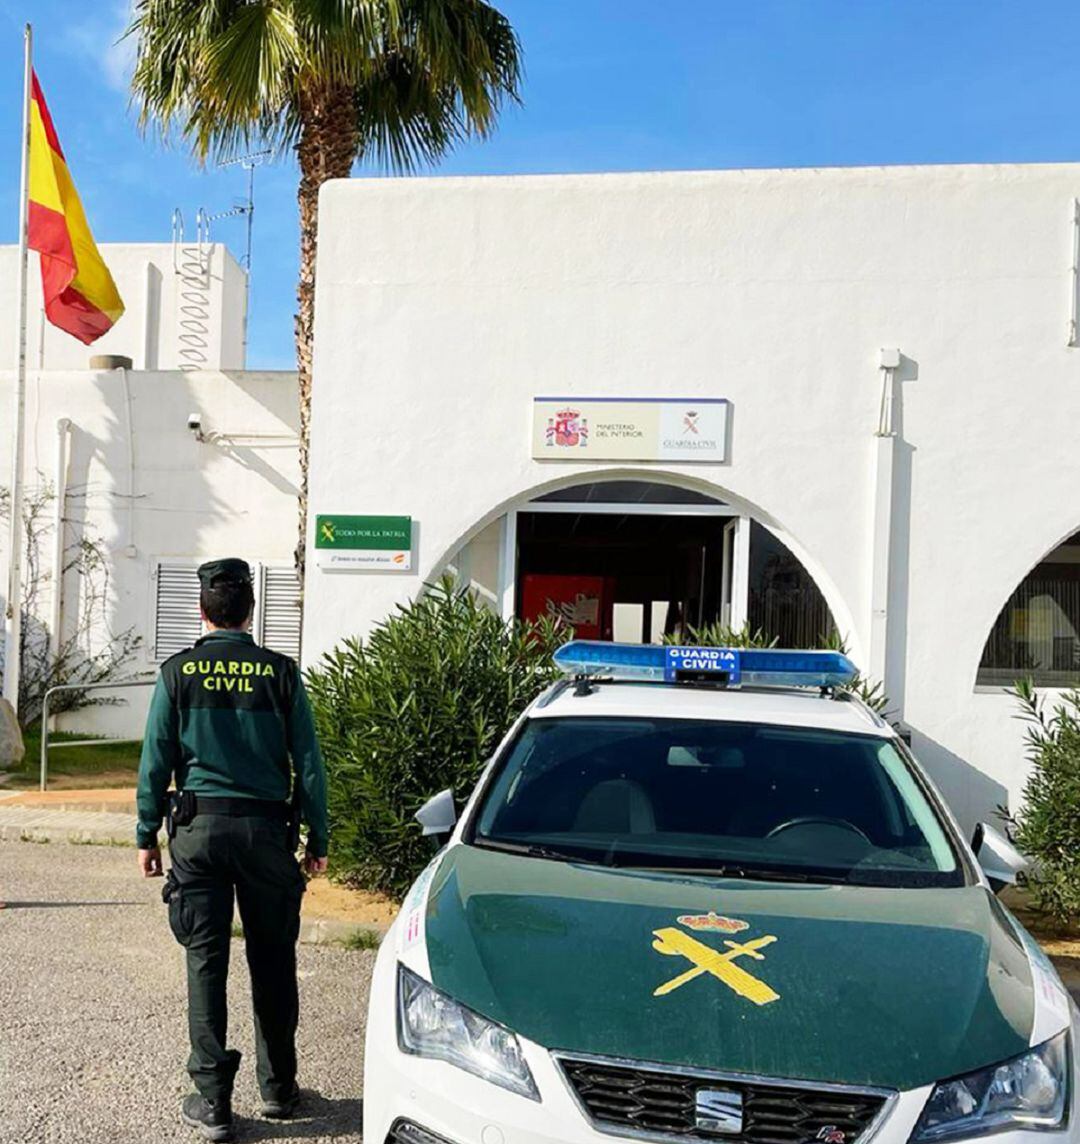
{"type": "Point", "coordinates": [704, 894]}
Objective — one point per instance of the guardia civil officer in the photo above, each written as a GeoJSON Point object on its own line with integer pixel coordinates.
{"type": "Point", "coordinates": [226, 718]}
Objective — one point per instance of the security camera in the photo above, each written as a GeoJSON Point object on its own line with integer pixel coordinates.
{"type": "Point", "coordinates": [194, 424]}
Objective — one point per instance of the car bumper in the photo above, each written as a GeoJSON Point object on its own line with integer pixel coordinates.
{"type": "Point", "coordinates": [413, 1100]}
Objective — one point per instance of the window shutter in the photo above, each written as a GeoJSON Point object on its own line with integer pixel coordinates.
{"type": "Point", "coordinates": [280, 607]}
{"type": "Point", "coordinates": [177, 624]}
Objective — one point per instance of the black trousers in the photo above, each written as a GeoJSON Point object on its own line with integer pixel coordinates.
{"type": "Point", "coordinates": [214, 857]}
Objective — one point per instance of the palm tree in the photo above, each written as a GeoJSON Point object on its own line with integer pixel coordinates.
{"type": "Point", "coordinates": [395, 82]}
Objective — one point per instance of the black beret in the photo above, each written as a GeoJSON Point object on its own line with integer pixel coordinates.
{"type": "Point", "coordinates": [231, 570]}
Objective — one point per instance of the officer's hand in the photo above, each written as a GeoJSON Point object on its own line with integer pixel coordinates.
{"type": "Point", "coordinates": [313, 865]}
{"type": "Point", "coordinates": [150, 862]}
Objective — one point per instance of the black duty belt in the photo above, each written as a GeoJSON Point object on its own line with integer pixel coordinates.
{"type": "Point", "coordinates": [242, 807]}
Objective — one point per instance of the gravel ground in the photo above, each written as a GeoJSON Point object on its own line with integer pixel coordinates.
{"type": "Point", "coordinates": [92, 1011]}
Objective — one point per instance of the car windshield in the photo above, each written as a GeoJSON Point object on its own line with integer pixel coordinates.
{"type": "Point", "coordinates": [731, 799]}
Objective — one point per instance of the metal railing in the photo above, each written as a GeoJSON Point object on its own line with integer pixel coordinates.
{"type": "Point", "coordinates": [78, 742]}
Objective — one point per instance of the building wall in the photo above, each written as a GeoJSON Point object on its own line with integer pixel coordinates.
{"type": "Point", "coordinates": [184, 304]}
{"type": "Point", "coordinates": [138, 480]}
{"type": "Point", "coordinates": [445, 305]}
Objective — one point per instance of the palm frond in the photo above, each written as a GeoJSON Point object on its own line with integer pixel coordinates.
{"type": "Point", "coordinates": [229, 74]}
{"type": "Point", "coordinates": [468, 47]}
{"type": "Point", "coordinates": [404, 123]}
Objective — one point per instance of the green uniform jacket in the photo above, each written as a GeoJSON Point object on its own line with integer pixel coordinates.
{"type": "Point", "coordinates": [225, 719]}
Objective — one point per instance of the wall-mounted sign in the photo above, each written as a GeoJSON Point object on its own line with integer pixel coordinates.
{"type": "Point", "coordinates": [382, 543]}
{"type": "Point", "coordinates": [630, 429]}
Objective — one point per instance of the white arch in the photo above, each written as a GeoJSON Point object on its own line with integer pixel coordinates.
{"type": "Point", "coordinates": [838, 606]}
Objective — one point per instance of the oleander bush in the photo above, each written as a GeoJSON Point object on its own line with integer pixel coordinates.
{"type": "Point", "coordinates": [1046, 828]}
{"type": "Point", "coordinates": [418, 707]}
{"type": "Point", "coordinates": [721, 635]}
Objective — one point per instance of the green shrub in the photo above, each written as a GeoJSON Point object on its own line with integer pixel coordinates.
{"type": "Point", "coordinates": [419, 707]}
{"type": "Point", "coordinates": [720, 635]}
{"type": "Point", "coordinates": [1047, 826]}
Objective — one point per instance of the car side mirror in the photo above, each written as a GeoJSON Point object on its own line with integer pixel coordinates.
{"type": "Point", "coordinates": [998, 857]}
{"type": "Point", "coordinates": [438, 816]}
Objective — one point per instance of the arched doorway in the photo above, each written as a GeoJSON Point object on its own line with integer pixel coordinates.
{"type": "Point", "coordinates": [639, 560]}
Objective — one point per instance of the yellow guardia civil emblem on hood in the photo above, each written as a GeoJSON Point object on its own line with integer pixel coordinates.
{"type": "Point", "coordinates": [717, 963]}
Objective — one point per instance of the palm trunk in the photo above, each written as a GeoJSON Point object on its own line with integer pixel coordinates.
{"type": "Point", "coordinates": [328, 147]}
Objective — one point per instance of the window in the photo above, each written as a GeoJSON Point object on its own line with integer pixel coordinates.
{"type": "Point", "coordinates": [277, 610]}
{"type": "Point", "coordinates": [1037, 633]}
{"type": "Point", "coordinates": [626, 492]}
{"type": "Point", "coordinates": [177, 624]}
{"type": "Point", "coordinates": [784, 602]}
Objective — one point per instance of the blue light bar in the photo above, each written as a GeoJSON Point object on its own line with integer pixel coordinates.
{"type": "Point", "coordinates": [620, 660]}
{"type": "Point", "coordinates": [774, 667]}
{"type": "Point", "coordinates": [758, 667]}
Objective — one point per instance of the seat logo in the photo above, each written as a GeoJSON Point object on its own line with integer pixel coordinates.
{"type": "Point", "coordinates": [718, 1110]}
{"type": "Point", "coordinates": [704, 959]}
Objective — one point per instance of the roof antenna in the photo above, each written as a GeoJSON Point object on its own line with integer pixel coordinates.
{"type": "Point", "coordinates": [245, 209]}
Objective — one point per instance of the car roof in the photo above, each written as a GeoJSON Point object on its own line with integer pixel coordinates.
{"type": "Point", "coordinates": [781, 707]}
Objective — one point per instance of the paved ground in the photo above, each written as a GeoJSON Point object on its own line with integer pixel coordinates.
{"type": "Point", "coordinates": [92, 1026]}
{"type": "Point", "coordinates": [331, 913]}
{"type": "Point", "coordinates": [120, 799]}
{"type": "Point", "coordinates": [63, 824]}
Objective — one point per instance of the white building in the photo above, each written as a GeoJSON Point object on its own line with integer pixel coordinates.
{"type": "Point", "coordinates": [185, 308]}
{"type": "Point", "coordinates": [110, 457]}
{"type": "Point", "coordinates": [929, 507]}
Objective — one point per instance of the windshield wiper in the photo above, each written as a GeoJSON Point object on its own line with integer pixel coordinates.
{"type": "Point", "coordinates": [760, 874]}
{"type": "Point", "coordinates": [624, 862]}
{"type": "Point", "coordinates": [529, 850]}
{"type": "Point", "coordinates": [750, 873]}
{"type": "Point", "coordinates": [554, 855]}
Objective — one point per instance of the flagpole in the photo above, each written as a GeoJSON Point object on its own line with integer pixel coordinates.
{"type": "Point", "coordinates": [12, 615]}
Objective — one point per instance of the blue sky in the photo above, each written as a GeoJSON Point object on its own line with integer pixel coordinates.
{"type": "Point", "coordinates": [610, 85]}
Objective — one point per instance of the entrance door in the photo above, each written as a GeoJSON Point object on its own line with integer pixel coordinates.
{"type": "Point", "coordinates": [633, 573]}
{"type": "Point", "coordinates": [636, 559]}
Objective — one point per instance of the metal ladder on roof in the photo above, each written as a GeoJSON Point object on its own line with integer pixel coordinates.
{"type": "Point", "coordinates": [191, 264]}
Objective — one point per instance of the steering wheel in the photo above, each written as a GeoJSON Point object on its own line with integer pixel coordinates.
{"type": "Point", "coordinates": [818, 820]}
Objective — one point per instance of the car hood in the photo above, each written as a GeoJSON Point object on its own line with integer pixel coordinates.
{"type": "Point", "coordinates": [860, 985]}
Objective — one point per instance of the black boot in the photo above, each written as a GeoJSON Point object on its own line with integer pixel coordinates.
{"type": "Point", "coordinates": [213, 1118]}
{"type": "Point", "coordinates": [283, 1109]}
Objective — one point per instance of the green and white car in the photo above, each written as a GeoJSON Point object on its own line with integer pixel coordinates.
{"type": "Point", "coordinates": [701, 894]}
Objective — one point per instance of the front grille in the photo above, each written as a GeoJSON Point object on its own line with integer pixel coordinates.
{"type": "Point", "coordinates": [651, 1101]}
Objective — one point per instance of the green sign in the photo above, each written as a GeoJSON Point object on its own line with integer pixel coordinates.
{"type": "Point", "coordinates": [379, 542]}
{"type": "Point", "coordinates": [380, 532]}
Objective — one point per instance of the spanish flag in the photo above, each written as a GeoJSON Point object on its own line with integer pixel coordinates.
{"type": "Point", "coordinates": [80, 295]}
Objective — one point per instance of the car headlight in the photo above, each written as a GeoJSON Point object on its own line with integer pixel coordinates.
{"type": "Point", "coordinates": [1029, 1091]}
{"type": "Point", "coordinates": [430, 1024]}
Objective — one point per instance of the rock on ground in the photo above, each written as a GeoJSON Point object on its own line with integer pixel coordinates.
{"type": "Point", "coordinates": [12, 749]}
{"type": "Point", "coordinates": [93, 1033]}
